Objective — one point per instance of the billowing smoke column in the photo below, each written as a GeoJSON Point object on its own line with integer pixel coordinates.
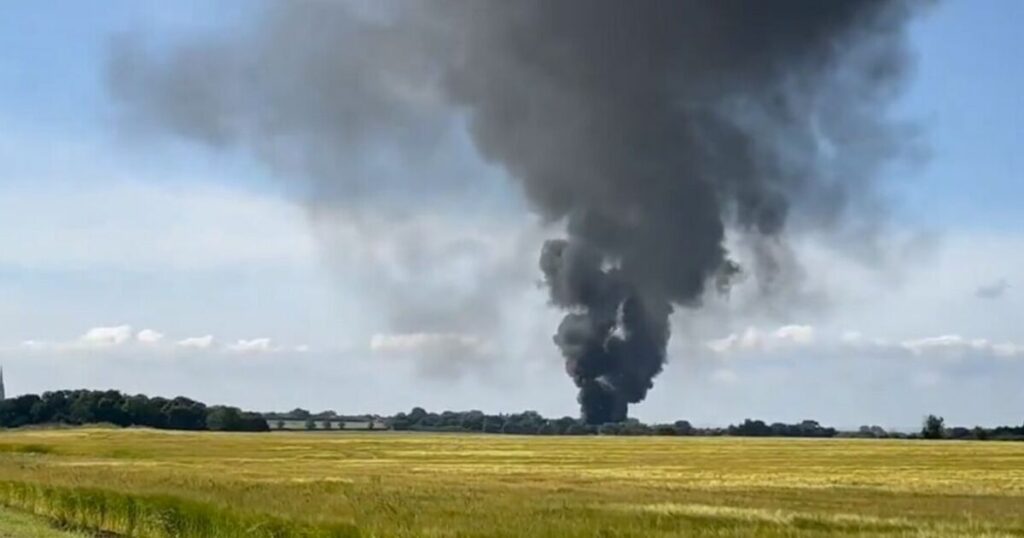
{"type": "Point", "coordinates": [649, 128]}
{"type": "Point", "coordinates": [614, 339]}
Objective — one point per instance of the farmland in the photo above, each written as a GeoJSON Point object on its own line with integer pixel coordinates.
{"type": "Point", "coordinates": [158, 483]}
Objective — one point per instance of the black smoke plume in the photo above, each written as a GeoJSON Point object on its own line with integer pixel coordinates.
{"type": "Point", "coordinates": [649, 128]}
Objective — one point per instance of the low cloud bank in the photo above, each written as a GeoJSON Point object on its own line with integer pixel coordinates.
{"type": "Point", "coordinates": [150, 340]}
{"type": "Point", "coordinates": [792, 339]}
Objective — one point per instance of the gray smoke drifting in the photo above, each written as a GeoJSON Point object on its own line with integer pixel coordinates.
{"type": "Point", "coordinates": [649, 128]}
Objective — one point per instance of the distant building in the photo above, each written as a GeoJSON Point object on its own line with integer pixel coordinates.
{"type": "Point", "coordinates": [3, 395]}
{"type": "Point", "coordinates": [284, 422]}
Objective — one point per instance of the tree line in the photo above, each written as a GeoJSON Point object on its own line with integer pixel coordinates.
{"type": "Point", "coordinates": [935, 428]}
{"type": "Point", "coordinates": [532, 423]}
{"type": "Point", "coordinates": [77, 407]}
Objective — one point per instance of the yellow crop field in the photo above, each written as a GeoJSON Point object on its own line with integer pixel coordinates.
{"type": "Point", "coordinates": [150, 483]}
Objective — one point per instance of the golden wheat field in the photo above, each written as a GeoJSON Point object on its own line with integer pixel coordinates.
{"type": "Point", "coordinates": [151, 483]}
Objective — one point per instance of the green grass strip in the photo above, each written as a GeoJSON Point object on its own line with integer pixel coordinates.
{"type": "Point", "coordinates": [154, 516]}
{"type": "Point", "coordinates": [17, 524]}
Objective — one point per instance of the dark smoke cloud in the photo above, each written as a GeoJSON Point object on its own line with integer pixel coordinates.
{"type": "Point", "coordinates": [649, 128]}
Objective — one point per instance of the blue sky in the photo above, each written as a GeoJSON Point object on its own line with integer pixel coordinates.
{"type": "Point", "coordinates": [103, 227]}
{"type": "Point", "coordinates": [967, 95]}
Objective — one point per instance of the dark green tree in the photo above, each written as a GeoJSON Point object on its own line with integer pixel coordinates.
{"type": "Point", "coordinates": [934, 427]}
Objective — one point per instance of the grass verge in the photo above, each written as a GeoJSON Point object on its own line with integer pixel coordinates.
{"type": "Point", "coordinates": [153, 516]}
{"type": "Point", "coordinates": [15, 524]}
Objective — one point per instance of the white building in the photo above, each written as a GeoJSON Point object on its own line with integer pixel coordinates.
{"type": "Point", "coordinates": [326, 424]}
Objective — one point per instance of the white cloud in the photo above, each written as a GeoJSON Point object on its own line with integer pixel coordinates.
{"type": "Point", "coordinates": [748, 340]}
{"type": "Point", "coordinates": [149, 336]}
{"type": "Point", "coordinates": [256, 345]}
{"type": "Point", "coordinates": [106, 336]}
{"type": "Point", "coordinates": [754, 339]}
{"type": "Point", "coordinates": [96, 338]}
{"type": "Point", "coordinates": [99, 339]}
{"type": "Point", "coordinates": [854, 344]}
{"type": "Point", "coordinates": [796, 334]}
{"type": "Point", "coordinates": [426, 343]}
{"type": "Point", "coordinates": [948, 342]}
{"type": "Point", "coordinates": [196, 342]}
{"type": "Point", "coordinates": [958, 346]}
